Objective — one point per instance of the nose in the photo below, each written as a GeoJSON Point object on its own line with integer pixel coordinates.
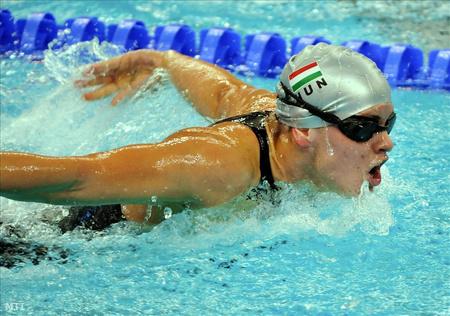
{"type": "Point", "coordinates": [383, 142]}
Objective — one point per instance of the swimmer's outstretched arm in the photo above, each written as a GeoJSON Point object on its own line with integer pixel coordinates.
{"type": "Point", "coordinates": [198, 166]}
{"type": "Point", "coordinates": [213, 91]}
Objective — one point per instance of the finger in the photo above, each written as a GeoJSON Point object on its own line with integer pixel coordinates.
{"type": "Point", "coordinates": [93, 82]}
{"type": "Point", "coordinates": [101, 68]}
{"type": "Point", "coordinates": [119, 97]}
{"type": "Point", "coordinates": [101, 92]}
{"type": "Point", "coordinates": [109, 66]}
{"type": "Point", "coordinates": [130, 89]}
{"type": "Point", "coordinates": [88, 71]}
{"type": "Point", "coordinates": [122, 95]}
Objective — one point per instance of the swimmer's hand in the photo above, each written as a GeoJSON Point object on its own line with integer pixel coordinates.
{"type": "Point", "coordinates": [122, 75]}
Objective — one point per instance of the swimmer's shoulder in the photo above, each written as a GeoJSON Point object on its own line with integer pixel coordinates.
{"type": "Point", "coordinates": [231, 147]}
{"type": "Point", "coordinates": [232, 135]}
{"type": "Point", "coordinates": [233, 140]}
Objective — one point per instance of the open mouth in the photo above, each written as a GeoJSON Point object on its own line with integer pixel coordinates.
{"type": "Point", "coordinates": [375, 176]}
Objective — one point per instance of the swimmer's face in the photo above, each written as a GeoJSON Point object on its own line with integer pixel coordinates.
{"type": "Point", "coordinates": [341, 164]}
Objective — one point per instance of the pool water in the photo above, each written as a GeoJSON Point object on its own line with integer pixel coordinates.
{"type": "Point", "coordinates": [316, 253]}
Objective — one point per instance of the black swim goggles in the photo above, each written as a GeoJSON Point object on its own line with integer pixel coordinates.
{"type": "Point", "coordinates": [356, 127]}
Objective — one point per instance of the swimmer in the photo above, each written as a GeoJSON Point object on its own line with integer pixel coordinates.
{"type": "Point", "coordinates": [327, 124]}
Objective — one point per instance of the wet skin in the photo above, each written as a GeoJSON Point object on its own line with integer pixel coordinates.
{"type": "Point", "coordinates": [201, 166]}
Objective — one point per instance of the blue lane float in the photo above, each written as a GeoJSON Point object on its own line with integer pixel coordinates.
{"type": "Point", "coordinates": [180, 38]}
{"type": "Point", "coordinates": [84, 29]}
{"type": "Point", "coordinates": [299, 43]}
{"type": "Point", "coordinates": [36, 32]}
{"type": "Point", "coordinates": [371, 50]}
{"type": "Point", "coordinates": [7, 30]}
{"type": "Point", "coordinates": [266, 54]}
{"type": "Point", "coordinates": [221, 46]}
{"type": "Point", "coordinates": [129, 34]}
{"type": "Point", "coordinates": [439, 61]}
{"type": "Point", "coordinates": [403, 64]}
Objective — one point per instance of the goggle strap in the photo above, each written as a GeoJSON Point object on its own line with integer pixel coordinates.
{"type": "Point", "coordinates": [327, 117]}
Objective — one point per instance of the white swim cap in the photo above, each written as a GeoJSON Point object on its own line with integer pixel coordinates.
{"type": "Point", "coordinates": [333, 79]}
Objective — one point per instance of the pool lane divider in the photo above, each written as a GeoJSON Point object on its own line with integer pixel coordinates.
{"type": "Point", "coordinates": [82, 29]}
{"type": "Point", "coordinates": [129, 35]}
{"type": "Point", "coordinates": [262, 54]}
{"type": "Point", "coordinates": [221, 46]}
{"type": "Point", "coordinates": [36, 32]}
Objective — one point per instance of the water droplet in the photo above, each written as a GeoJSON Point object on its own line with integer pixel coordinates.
{"type": "Point", "coordinates": [167, 212]}
{"type": "Point", "coordinates": [148, 213]}
{"type": "Point", "coordinates": [330, 149]}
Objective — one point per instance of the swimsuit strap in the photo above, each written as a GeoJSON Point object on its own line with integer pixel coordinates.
{"type": "Point", "coordinates": [256, 121]}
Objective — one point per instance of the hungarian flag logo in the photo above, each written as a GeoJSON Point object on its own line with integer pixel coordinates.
{"type": "Point", "coordinates": [304, 75]}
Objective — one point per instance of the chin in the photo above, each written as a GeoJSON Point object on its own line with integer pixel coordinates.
{"type": "Point", "coordinates": [351, 193]}
{"type": "Point", "coordinates": [344, 191]}
{"type": "Point", "coordinates": [350, 190]}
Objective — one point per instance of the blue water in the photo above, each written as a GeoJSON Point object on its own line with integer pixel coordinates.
{"type": "Point", "coordinates": [317, 253]}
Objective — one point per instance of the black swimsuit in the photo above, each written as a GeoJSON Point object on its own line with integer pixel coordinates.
{"type": "Point", "coordinates": [256, 122]}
